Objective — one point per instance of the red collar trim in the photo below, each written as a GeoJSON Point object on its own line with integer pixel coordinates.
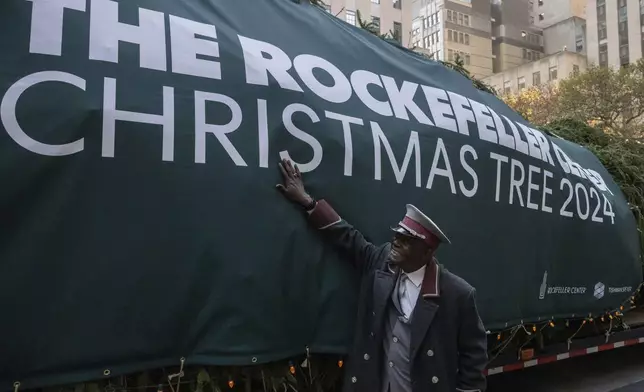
{"type": "Point", "coordinates": [431, 281]}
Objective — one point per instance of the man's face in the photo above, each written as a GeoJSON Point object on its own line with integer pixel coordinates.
{"type": "Point", "coordinates": [406, 250]}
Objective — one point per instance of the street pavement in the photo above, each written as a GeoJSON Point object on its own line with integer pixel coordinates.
{"type": "Point", "coordinates": [619, 370]}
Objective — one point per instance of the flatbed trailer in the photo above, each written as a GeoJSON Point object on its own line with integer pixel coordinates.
{"type": "Point", "coordinates": [632, 333]}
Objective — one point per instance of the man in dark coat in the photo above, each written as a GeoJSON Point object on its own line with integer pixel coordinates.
{"type": "Point", "coordinates": [418, 328]}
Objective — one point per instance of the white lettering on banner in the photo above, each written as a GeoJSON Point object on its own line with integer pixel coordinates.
{"type": "Point", "coordinates": [413, 147]}
{"type": "Point", "coordinates": [515, 184]}
{"type": "Point", "coordinates": [546, 191]}
{"type": "Point", "coordinates": [440, 108]}
{"type": "Point", "coordinates": [520, 145]}
{"type": "Point", "coordinates": [10, 120]}
{"type": "Point", "coordinates": [348, 143]}
{"type": "Point", "coordinates": [462, 111]}
{"type": "Point", "coordinates": [106, 32]}
{"type": "Point", "coordinates": [402, 100]}
{"type": "Point", "coordinates": [625, 289]}
{"type": "Point", "coordinates": [475, 179]}
{"type": "Point", "coordinates": [533, 145]}
{"type": "Point", "coordinates": [532, 187]}
{"type": "Point", "coordinates": [544, 146]}
{"type": "Point", "coordinates": [566, 290]}
{"type": "Point", "coordinates": [111, 115]}
{"type": "Point", "coordinates": [338, 93]}
{"type": "Point", "coordinates": [361, 80]}
{"type": "Point", "coordinates": [220, 131]}
{"type": "Point", "coordinates": [258, 67]}
{"type": "Point", "coordinates": [186, 47]}
{"type": "Point", "coordinates": [287, 119]}
{"type": "Point", "coordinates": [536, 197]}
{"type": "Point", "coordinates": [504, 138]}
{"type": "Point", "coordinates": [262, 129]}
{"type": "Point", "coordinates": [441, 151]}
{"type": "Point", "coordinates": [484, 122]}
{"type": "Point", "coordinates": [47, 25]}
{"type": "Point", "coordinates": [193, 49]}
{"type": "Point", "coordinates": [500, 159]}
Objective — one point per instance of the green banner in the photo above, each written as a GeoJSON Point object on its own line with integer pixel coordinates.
{"type": "Point", "coordinates": [139, 143]}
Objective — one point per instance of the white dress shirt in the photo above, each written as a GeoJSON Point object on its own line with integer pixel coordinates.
{"type": "Point", "coordinates": [409, 290]}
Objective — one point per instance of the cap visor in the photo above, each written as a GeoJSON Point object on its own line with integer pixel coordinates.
{"type": "Point", "coordinates": [403, 231]}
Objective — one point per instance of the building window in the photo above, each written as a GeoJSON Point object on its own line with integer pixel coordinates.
{"type": "Point", "coordinates": [467, 59]}
{"type": "Point", "coordinates": [467, 39]}
{"type": "Point", "coordinates": [525, 53]}
{"type": "Point", "coordinates": [530, 55]}
{"type": "Point", "coordinates": [449, 35]}
{"type": "Point", "coordinates": [622, 27]}
{"type": "Point", "coordinates": [376, 23]}
{"type": "Point", "coordinates": [541, 16]}
{"type": "Point", "coordinates": [623, 51]}
{"type": "Point", "coordinates": [450, 55]}
{"type": "Point", "coordinates": [603, 55]}
{"type": "Point", "coordinates": [426, 42]}
{"type": "Point", "coordinates": [553, 73]}
{"type": "Point", "coordinates": [531, 19]}
{"type": "Point", "coordinates": [623, 35]}
{"type": "Point", "coordinates": [601, 9]}
{"type": "Point", "coordinates": [540, 2]}
{"type": "Point", "coordinates": [507, 87]}
{"type": "Point", "coordinates": [536, 78]}
{"type": "Point", "coordinates": [579, 45]}
{"type": "Point", "coordinates": [575, 69]}
{"type": "Point", "coordinates": [458, 18]}
{"type": "Point", "coordinates": [460, 38]}
{"type": "Point", "coordinates": [350, 17]}
{"type": "Point", "coordinates": [621, 3]}
{"type": "Point", "coordinates": [398, 32]}
{"type": "Point", "coordinates": [521, 83]}
{"type": "Point", "coordinates": [398, 4]}
{"type": "Point", "coordinates": [601, 30]}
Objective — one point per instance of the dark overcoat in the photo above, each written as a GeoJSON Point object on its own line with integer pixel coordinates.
{"type": "Point", "coordinates": [448, 340]}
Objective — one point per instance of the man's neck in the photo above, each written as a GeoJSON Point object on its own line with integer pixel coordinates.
{"type": "Point", "coordinates": [413, 268]}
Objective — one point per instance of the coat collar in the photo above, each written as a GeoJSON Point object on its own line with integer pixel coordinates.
{"type": "Point", "coordinates": [431, 281]}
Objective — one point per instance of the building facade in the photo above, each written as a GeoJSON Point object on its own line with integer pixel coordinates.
{"type": "Point", "coordinates": [549, 69]}
{"type": "Point", "coordinates": [550, 12]}
{"type": "Point", "coordinates": [568, 34]}
{"type": "Point", "coordinates": [447, 29]}
{"type": "Point", "coordinates": [515, 38]}
{"type": "Point", "coordinates": [614, 31]}
{"type": "Point", "coordinates": [389, 15]}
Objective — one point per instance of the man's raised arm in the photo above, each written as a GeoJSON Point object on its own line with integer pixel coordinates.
{"type": "Point", "coordinates": [323, 217]}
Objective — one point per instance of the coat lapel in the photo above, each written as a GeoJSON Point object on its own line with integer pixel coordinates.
{"type": "Point", "coordinates": [383, 286]}
{"type": "Point", "coordinates": [426, 307]}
